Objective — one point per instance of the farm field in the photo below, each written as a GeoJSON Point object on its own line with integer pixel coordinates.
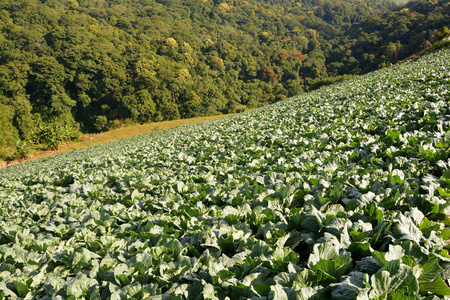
{"type": "Point", "coordinates": [341, 193]}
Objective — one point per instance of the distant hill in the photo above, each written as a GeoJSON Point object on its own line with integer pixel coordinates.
{"type": "Point", "coordinates": [69, 66]}
{"type": "Point", "coordinates": [390, 36]}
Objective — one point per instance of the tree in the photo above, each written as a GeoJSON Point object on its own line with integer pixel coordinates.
{"type": "Point", "coordinates": [14, 78]}
{"type": "Point", "coordinates": [8, 133]}
{"type": "Point", "coordinates": [169, 111]}
{"type": "Point", "coordinates": [23, 119]}
{"type": "Point", "coordinates": [268, 74]}
{"type": "Point", "coordinates": [392, 50]}
{"type": "Point", "coordinates": [192, 107]}
{"type": "Point", "coordinates": [140, 106]}
{"type": "Point", "coordinates": [61, 104]}
{"type": "Point", "coordinates": [100, 123]}
{"type": "Point", "coordinates": [47, 79]}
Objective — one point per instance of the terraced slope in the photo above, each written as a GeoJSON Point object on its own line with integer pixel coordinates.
{"type": "Point", "coordinates": [341, 193]}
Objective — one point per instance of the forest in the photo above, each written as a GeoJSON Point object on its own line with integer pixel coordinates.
{"type": "Point", "coordinates": [69, 67]}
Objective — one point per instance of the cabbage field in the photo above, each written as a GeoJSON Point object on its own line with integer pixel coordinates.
{"type": "Point", "coordinates": [341, 193]}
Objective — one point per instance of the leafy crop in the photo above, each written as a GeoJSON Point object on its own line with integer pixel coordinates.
{"type": "Point", "coordinates": [342, 193]}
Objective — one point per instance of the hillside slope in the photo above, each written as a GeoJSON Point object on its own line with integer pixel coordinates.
{"type": "Point", "coordinates": [339, 193]}
{"type": "Point", "coordinates": [71, 66]}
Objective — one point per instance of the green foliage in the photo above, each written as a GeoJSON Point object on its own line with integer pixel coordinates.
{"type": "Point", "coordinates": [329, 80]}
{"type": "Point", "coordinates": [100, 123]}
{"type": "Point", "coordinates": [381, 40]}
{"type": "Point", "coordinates": [141, 106]}
{"type": "Point", "coordinates": [192, 107]}
{"type": "Point", "coordinates": [61, 104]}
{"type": "Point", "coordinates": [9, 135]}
{"type": "Point", "coordinates": [23, 119]}
{"type": "Point", "coordinates": [52, 135]}
{"type": "Point", "coordinates": [169, 111]}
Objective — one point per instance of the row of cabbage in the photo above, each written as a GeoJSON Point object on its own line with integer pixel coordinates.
{"type": "Point", "coordinates": [341, 193]}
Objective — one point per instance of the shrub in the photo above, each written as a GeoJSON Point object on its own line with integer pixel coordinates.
{"type": "Point", "coordinates": [100, 123]}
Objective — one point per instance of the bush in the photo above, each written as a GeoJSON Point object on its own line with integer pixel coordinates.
{"type": "Point", "coordinates": [22, 151]}
{"type": "Point", "coordinates": [169, 111]}
{"type": "Point", "coordinates": [115, 124]}
{"type": "Point", "coordinates": [100, 123]}
{"type": "Point", "coordinates": [48, 136]}
{"type": "Point", "coordinates": [240, 109]}
{"type": "Point", "coordinates": [54, 135]}
{"type": "Point", "coordinates": [329, 80]}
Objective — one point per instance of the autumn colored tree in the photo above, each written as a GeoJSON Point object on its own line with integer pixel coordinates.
{"type": "Point", "coordinates": [268, 74]}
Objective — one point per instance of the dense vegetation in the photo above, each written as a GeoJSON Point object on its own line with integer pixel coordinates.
{"type": "Point", "coordinates": [341, 193]}
{"type": "Point", "coordinates": [68, 66]}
